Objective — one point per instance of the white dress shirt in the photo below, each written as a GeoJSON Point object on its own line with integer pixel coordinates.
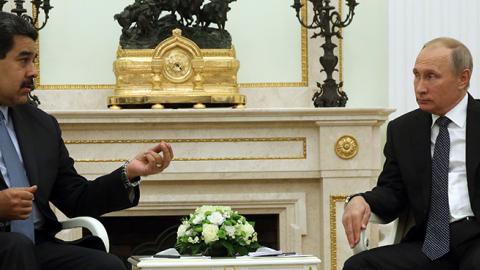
{"type": "Point", "coordinates": [458, 197]}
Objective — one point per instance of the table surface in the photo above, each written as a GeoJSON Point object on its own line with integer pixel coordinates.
{"type": "Point", "coordinates": [141, 262]}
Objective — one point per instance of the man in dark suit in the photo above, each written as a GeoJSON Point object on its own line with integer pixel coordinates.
{"type": "Point", "coordinates": [36, 169]}
{"type": "Point", "coordinates": [432, 168]}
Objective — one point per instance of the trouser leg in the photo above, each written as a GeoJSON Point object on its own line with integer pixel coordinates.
{"type": "Point", "coordinates": [17, 252]}
{"type": "Point", "coordinates": [56, 255]}
{"type": "Point", "coordinates": [404, 256]}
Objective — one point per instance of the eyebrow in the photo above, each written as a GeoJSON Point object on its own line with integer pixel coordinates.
{"type": "Point", "coordinates": [25, 53]}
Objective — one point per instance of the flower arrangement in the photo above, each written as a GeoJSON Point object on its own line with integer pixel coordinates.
{"type": "Point", "coordinates": [211, 227]}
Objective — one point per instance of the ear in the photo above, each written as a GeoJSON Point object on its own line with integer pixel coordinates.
{"type": "Point", "coordinates": [463, 78]}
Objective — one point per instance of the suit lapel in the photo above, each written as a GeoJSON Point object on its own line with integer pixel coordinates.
{"type": "Point", "coordinates": [3, 185]}
{"type": "Point", "coordinates": [26, 144]}
{"type": "Point", "coordinates": [422, 157]}
{"type": "Point", "coordinates": [472, 149]}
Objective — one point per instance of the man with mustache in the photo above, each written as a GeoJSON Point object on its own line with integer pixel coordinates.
{"type": "Point", "coordinates": [36, 170]}
{"type": "Point", "coordinates": [431, 168]}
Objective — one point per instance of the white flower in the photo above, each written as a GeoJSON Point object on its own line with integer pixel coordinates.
{"type": "Point", "coordinates": [254, 238]}
{"type": "Point", "coordinates": [206, 208]}
{"type": "Point", "coordinates": [248, 229]}
{"type": "Point", "coordinates": [193, 240]}
{"type": "Point", "coordinates": [230, 230]}
{"type": "Point", "coordinates": [209, 233]}
{"type": "Point", "coordinates": [216, 218]}
{"type": "Point", "coordinates": [182, 229]}
{"type": "Point", "coordinates": [198, 219]}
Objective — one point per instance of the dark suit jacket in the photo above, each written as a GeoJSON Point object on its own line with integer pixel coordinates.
{"type": "Point", "coordinates": [49, 166]}
{"type": "Point", "coordinates": [406, 179]}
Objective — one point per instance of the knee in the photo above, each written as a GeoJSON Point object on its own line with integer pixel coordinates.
{"type": "Point", "coordinates": [109, 262]}
{"type": "Point", "coordinates": [17, 252]}
{"type": "Point", "coordinates": [16, 243]}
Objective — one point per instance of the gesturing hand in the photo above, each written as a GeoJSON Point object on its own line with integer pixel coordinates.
{"type": "Point", "coordinates": [16, 203]}
{"type": "Point", "coordinates": [153, 161]}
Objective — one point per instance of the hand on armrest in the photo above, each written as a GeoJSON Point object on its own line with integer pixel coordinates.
{"type": "Point", "coordinates": [362, 245]}
{"type": "Point", "coordinates": [355, 219]}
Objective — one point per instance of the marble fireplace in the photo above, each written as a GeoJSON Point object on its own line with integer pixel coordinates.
{"type": "Point", "coordinates": [296, 164]}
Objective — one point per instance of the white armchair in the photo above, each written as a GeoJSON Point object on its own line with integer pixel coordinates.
{"type": "Point", "coordinates": [93, 225]}
{"type": "Point", "coordinates": [400, 225]}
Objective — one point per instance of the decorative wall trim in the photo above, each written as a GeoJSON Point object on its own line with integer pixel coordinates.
{"type": "Point", "coordinates": [303, 141]}
{"type": "Point", "coordinates": [334, 199]}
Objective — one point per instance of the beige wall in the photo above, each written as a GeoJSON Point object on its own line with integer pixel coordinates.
{"type": "Point", "coordinates": [365, 62]}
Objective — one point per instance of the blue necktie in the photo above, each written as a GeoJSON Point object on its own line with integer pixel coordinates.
{"type": "Point", "coordinates": [437, 237]}
{"type": "Point", "coordinates": [17, 177]}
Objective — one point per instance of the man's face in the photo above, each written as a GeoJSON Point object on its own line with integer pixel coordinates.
{"type": "Point", "coordinates": [17, 71]}
{"type": "Point", "coordinates": [437, 88]}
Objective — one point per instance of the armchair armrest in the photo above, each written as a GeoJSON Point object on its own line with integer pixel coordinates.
{"type": "Point", "coordinates": [363, 244]}
{"type": "Point", "coordinates": [93, 225]}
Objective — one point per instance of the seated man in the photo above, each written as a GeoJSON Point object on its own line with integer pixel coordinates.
{"type": "Point", "coordinates": [36, 169]}
{"type": "Point", "coordinates": [432, 168]}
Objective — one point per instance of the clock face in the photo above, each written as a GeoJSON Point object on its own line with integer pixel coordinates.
{"type": "Point", "coordinates": [178, 66]}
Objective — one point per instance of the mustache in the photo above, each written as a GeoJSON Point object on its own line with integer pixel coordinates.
{"type": "Point", "coordinates": [28, 83]}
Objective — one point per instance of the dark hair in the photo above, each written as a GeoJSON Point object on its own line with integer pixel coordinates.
{"type": "Point", "coordinates": [10, 26]}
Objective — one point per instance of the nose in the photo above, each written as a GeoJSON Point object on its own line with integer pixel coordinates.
{"type": "Point", "coordinates": [32, 70]}
{"type": "Point", "coordinates": [419, 86]}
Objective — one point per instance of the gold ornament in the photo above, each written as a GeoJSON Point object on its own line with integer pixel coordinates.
{"type": "Point", "coordinates": [177, 73]}
{"type": "Point", "coordinates": [346, 147]}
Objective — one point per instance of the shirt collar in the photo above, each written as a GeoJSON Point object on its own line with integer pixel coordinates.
{"type": "Point", "coordinates": [458, 114]}
{"type": "Point", "coordinates": [4, 110]}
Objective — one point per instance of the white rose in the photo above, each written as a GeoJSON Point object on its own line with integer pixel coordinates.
{"type": "Point", "coordinates": [198, 219]}
{"type": "Point", "coordinates": [230, 230]}
{"type": "Point", "coordinates": [206, 208]}
{"type": "Point", "coordinates": [248, 229]}
{"type": "Point", "coordinates": [216, 218]}
{"type": "Point", "coordinates": [209, 233]}
{"type": "Point", "coordinates": [182, 229]}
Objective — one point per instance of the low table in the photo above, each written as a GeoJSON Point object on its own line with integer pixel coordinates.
{"type": "Point", "coordinates": [239, 263]}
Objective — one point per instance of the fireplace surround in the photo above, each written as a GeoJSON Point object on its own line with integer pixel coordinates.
{"type": "Point", "coordinates": [296, 164]}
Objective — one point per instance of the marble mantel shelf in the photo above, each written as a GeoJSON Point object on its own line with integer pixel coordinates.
{"type": "Point", "coordinates": [222, 115]}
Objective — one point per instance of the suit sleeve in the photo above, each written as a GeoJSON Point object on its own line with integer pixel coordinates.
{"type": "Point", "coordinates": [75, 196]}
{"type": "Point", "coordinates": [388, 198]}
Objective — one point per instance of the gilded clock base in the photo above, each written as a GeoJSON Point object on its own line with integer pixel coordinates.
{"type": "Point", "coordinates": [114, 107]}
{"type": "Point", "coordinates": [160, 102]}
{"type": "Point", "coordinates": [176, 74]}
{"type": "Point", "coordinates": [158, 106]}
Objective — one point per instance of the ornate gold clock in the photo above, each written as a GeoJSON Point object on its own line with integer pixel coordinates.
{"type": "Point", "coordinates": [177, 73]}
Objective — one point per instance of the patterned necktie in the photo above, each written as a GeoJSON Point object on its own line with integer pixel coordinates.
{"type": "Point", "coordinates": [17, 177]}
{"type": "Point", "coordinates": [437, 237]}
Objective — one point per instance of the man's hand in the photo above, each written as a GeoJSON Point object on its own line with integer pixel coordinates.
{"type": "Point", "coordinates": [355, 219]}
{"type": "Point", "coordinates": [153, 161]}
{"type": "Point", "coordinates": [16, 203]}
